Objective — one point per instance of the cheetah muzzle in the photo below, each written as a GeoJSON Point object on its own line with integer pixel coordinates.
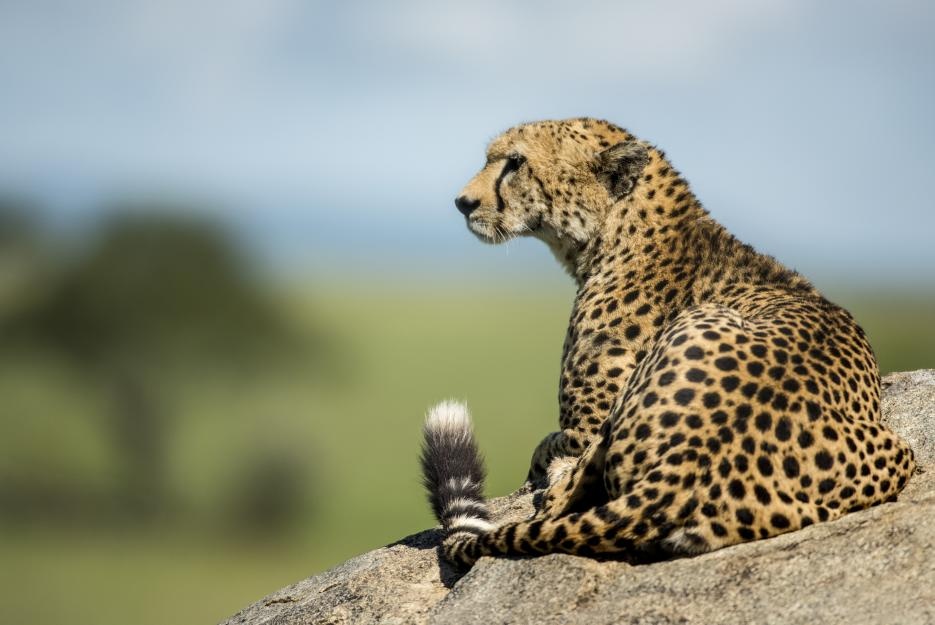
{"type": "Point", "coordinates": [708, 395]}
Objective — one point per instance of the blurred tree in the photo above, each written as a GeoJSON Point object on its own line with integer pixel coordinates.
{"type": "Point", "coordinates": [269, 491]}
{"type": "Point", "coordinates": [21, 253]}
{"type": "Point", "coordinates": [155, 294]}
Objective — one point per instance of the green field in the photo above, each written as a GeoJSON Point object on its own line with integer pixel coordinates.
{"type": "Point", "coordinates": [396, 352]}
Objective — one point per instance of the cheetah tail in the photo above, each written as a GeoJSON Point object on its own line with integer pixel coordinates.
{"type": "Point", "coordinates": [453, 470]}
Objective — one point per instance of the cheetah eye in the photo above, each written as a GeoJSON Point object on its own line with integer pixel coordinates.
{"type": "Point", "coordinates": [513, 162]}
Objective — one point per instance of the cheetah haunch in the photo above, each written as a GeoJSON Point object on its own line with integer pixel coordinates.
{"type": "Point", "coordinates": [708, 395]}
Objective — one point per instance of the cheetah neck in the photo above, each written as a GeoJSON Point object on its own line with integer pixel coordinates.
{"type": "Point", "coordinates": [650, 226]}
{"type": "Point", "coordinates": [662, 225]}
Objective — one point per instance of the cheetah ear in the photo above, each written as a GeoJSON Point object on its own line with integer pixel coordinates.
{"type": "Point", "coordinates": [620, 166]}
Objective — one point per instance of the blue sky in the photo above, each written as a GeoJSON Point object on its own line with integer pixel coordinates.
{"type": "Point", "coordinates": [338, 133]}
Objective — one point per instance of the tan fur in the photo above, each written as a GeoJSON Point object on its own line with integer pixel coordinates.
{"type": "Point", "coordinates": [709, 395]}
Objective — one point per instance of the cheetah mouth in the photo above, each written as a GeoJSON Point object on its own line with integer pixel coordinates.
{"type": "Point", "coordinates": [486, 232]}
{"type": "Point", "coordinates": [494, 233]}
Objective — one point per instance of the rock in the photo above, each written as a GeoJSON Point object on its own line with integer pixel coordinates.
{"type": "Point", "coordinates": [907, 398]}
{"type": "Point", "coordinates": [873, 566]}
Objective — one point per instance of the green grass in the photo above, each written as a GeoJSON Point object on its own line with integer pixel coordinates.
{"type": "Point", "coordinates": [398, 352]}
{"type": "Point", "coordinates": [900, 326]}
{"type": "Point", "coordinates": [144, 579]}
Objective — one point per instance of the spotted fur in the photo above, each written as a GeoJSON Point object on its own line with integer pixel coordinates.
{"type": "Point", "coordinates": [708, 395]}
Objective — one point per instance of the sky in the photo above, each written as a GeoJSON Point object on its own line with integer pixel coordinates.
{"type": "Point", "coordinates": [336, 135]}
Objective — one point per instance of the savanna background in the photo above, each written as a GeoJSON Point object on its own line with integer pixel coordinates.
{"type": "Point", "coordinates": [232, 277]}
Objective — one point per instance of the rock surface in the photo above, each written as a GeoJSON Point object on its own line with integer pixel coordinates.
{"type": "Point", "coordinates": [874, 566]}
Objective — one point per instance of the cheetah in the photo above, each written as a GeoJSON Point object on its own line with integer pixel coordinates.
{"type": "Point", "coordinates": [708, 395]}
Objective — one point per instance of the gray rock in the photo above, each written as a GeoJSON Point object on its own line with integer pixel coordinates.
{"type": "Point", "coordinates": [909, 397]}
{"type": "Point", "coordinates": [874, 566]}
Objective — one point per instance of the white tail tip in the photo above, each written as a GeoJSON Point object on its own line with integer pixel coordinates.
{"type": "Point", "coordinates": [448, 415]}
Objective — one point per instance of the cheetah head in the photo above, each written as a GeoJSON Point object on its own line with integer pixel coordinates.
{"type": "Point", "coordinates": [553, 180]}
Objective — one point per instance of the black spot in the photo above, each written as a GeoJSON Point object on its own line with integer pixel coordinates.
{"type": "Point", "coordinates": [783, 429]}
{"type": "Point", "coordinates": [755, 368]}
{"type": "Point", "coordinates": [736, 489]}
{"type": "Point", "coordinates": [764, 421]}
{"type": "Point", "coordinates": [709, 510]}
{"type": "Point", "coordinates": [805, 439]}
{"type": "Point", "coordinates": [829, 433]}
{"type": "Point", "coordinates": [762, 495]}
{"type": "Point", "coordinates": [746, 533]}
{"type": "Point", "coordinates": [684, 396]}
{"type": "Point", "coordinates": [649, 399]}
{"type": "Point", "coordinates": [723, 468]}
{"type": "Point", "coordinates": [730, 382]}
{"type": "Point", "coordinates": [745, 516]}
{"type": "Point", "coordinates": [643, 431]}
{"type": "Point", "coordinates": [765, 466]}
{"type": "Point", "coordinates": [688, 508]}
{"type": "Point", "coordinates": [814, 410]}
{"type": "Point", "coordinates": [825, 486]}
{"type": "Point", "coordinates": [790, 466]}
{"type": "Point", "coordinates": [695, 375]}
{"type": "Point", "coordinates": [711, 400]}
{"type": "Point", "coordinates": [694, 353]}
{"type": "Point", "coordinates": [718, 530]}
{"type": "Point", "coordinates": [667, 419]}
{"type": "Point", "coordinates": [823, 460]}
{"type": "Point", "coordinates": [780, 402]}
{"type": "Point", "coordinates": [779, 521]}
{"type": "Point", "coordinates": [694, 421]}
{"type": "Point", "coordinates": [726, 363]}
{"type": "Point", "coordinates": [725, 434]}
{"type": "Point", "coordinates": [868, 490]}
{"type": "Point", "coordinates": [632, 331]}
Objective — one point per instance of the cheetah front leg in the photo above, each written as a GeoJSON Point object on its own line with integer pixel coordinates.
{"type": "Point", "coordinates": [574, 483]}
{"type": "Point", "coordinates": [555, 445]}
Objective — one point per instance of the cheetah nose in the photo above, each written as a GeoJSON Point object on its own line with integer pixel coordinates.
{"type": "Point", "coordinates": [465, 205]}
